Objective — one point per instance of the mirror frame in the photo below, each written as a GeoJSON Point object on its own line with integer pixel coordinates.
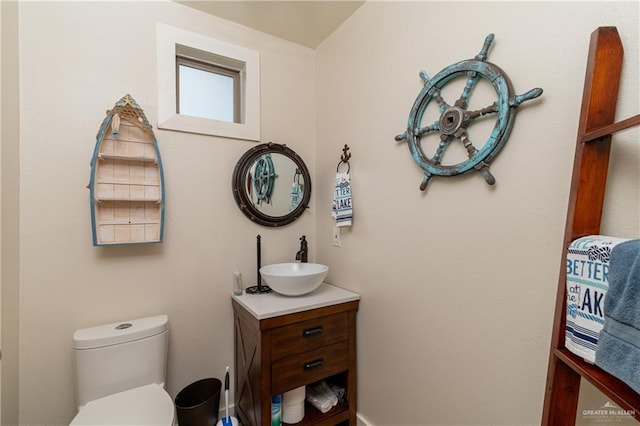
{"type": "Point", "coordinates": [240, 178]}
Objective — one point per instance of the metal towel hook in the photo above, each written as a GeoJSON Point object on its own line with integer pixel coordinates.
{"type": "Point", "coordinates": [344, 158]}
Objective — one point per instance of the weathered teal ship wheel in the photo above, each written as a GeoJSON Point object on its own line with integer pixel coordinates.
{"type": "Point", "coordinates": [455, 119]}
{"type": "Point", "coordinates": [264, 179]}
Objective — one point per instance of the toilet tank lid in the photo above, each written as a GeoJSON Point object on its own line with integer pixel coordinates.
{"type": "Point", "coordinates": [119, 332]}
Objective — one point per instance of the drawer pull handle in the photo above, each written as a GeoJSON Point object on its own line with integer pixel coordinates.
{"type": "Point", "coordinates": [314, 364]}
{"type": "Point", "coordinates": [311, 331]}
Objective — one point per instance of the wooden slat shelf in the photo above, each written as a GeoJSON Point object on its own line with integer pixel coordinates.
{"type": "Point", "coordinates": [133, 222]}
{"type": "Point", "coordinates": [126, 182]}
{"type": "Point", "coordinates": [625, 397]}
{"type": "Point", "coordinates": [312, 416]}
{"type": "Point", "coordinates": [584, 215]}
{"type": "Point", "coordinates": [132, 200]}
{"type": "Point", "coordinates": [127, 179]}
{"type": "Point", "coordinates": [611, 129]}
{"type": "Point", "coordinates": [103, 156]}
{"type": "Point", "coordinates": [117, 243]}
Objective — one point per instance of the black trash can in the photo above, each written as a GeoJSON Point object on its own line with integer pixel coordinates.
{"type": "Point", "coordinates": [198, 403]}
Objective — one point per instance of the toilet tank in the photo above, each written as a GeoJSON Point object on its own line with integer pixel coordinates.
{"type": "Point", "coordinates": [116, 357]}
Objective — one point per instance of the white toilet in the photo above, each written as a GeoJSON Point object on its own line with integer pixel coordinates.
{"type": "Point", "coordinates": [120, 373]}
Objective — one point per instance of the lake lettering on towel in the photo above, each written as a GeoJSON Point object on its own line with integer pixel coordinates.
{"type": "Point", "coordinates": [587, 284]}
{"type": "Point", "coordinates": [343, 198]}
{"type": "Point", "coordinates": [591, 299]}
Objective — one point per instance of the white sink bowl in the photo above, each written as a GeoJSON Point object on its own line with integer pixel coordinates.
{"type": "Point", "coordinates": [294, 279]}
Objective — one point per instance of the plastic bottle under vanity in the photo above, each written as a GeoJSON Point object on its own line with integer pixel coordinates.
{"type": "Point", "coordinates": [276, 410]}
{"type": "Point", "coordinates": [237, 284]}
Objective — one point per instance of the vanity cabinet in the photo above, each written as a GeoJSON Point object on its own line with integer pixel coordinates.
{"type": "Point", "coordinates": [282, 343]}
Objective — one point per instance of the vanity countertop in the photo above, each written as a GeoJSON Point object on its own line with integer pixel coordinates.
{"type": "Point", "coordinates": [269, 305]}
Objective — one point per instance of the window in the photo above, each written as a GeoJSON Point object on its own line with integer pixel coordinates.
{"type": "Point", "coordinates": [207, 86]}
{"type": "Point", "coordinates": [208, 91]}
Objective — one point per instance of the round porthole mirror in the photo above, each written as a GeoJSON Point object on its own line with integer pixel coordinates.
{"type": "Point", "coordinates": [271, 184]}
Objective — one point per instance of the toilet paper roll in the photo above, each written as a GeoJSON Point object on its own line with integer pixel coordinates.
{"type": "Point", "coordinates": [294, 396]}
{"type": "Point", "coordinates": [293, 413]}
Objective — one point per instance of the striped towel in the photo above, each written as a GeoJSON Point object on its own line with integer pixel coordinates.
{"type": "Point", "coordinates": [587, 285]}
{"type": "Point", "coordinates": [342, 203]}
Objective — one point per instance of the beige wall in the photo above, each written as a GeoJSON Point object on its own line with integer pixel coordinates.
{"type": "Point", "coordinates": [458, 283]}
{"type": "Point", "coordinates": [76, 60]}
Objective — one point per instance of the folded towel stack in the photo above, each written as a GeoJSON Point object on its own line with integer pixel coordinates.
{"type": "Point", "coordinates": [618, 350]}
{"type": "Point", "coordinates": [587, 284]}
{"type": "Point", "coordinates": [342, 204]}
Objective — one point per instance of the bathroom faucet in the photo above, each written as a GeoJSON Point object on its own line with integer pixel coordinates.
{"type": "Point", "coordinates": [304, 251]}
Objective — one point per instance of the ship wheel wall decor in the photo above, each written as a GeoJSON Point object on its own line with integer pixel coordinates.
{"type": "Point", "coordinates": [454, 120]}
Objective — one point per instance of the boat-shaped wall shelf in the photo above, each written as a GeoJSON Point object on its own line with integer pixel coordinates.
{"type": "Point", "coordinates": [127, 181]}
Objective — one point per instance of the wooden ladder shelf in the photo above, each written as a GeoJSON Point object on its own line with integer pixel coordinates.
{"type": "Point", "coordinates": [584, 214]}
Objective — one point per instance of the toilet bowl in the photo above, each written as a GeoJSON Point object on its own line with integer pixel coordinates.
{"type": "Point", "coordinates": [148, 405]}
{"type": "Point", "coordinates": [120, 372]}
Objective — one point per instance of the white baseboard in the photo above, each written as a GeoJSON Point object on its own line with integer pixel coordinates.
{"type": "Point", "coordinates": [362, 421]}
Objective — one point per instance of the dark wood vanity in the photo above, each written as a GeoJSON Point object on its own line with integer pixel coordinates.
{"type": "Point", "coordinates": [283, 342]}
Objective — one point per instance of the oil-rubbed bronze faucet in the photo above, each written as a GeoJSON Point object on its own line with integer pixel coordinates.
{"type": "Point", "coordinates": [304, 250]}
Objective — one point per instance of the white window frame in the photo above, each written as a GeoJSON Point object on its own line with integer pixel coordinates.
{"type": "Point", "coordinates": [170, 39]}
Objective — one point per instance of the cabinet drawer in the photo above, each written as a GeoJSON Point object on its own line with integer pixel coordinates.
{"type": "Point", "coordinates": [309, 367]}
{"type": "Point", "coordinates": [310, 334]}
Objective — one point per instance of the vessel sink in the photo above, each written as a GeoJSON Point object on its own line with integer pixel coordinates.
{"type": "Point", "coordinates": [294, 279]}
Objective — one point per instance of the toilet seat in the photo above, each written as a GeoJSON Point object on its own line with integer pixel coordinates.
{"type": "Point", "coordinates": [146, 405]}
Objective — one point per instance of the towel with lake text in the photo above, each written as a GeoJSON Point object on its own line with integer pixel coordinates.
{"type": "Point", "coordinates": [587, 284]}
{"type": "Point", "coordinates": [342, 203]}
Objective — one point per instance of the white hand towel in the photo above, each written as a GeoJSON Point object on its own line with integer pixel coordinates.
{"type": "Point", "coordinates": [342, 203]}
{"type": "Point", "coordinates": [296, 195]}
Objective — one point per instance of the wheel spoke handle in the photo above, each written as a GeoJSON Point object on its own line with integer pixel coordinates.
{"type": "Point", "coordinates": [531, 94]}
{"type": "Point", "coordinates": [485, 48]}
{"type": "Point", "coordinates": [464, 138]}
{"type": "Point", "coordinates": [483, 168]}
{"type": "Point", "coordinates": [424, 130]}
{"type": "Point", "coordinates": [445, 140]}
{"type": "Point", "coordinates": [470, 115]}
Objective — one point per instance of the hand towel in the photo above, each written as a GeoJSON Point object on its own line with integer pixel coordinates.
{"type": "Point", "coordinates": [296, 195]}
{"type": "Point", "coordinates": [587, 283]}
{"type": "Point", "coordinates": [618, 350]}
{"type": "Point", "coordinates": [342, 203]}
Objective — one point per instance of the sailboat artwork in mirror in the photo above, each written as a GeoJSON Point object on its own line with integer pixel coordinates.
{"type": "Point", "coordinates": [127, 180]}
{"type": "Point", "coordinates": [271, 185]}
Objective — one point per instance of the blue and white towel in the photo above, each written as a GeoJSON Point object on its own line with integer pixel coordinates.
{"type": "Point", "coordinates": [618, 351]}
{"type": "Point", "coordinates": [587, 285]}
{"type": "Point", "coordinates": [342, 203]}
{"type": "Point", "coordinates": [296, 195]}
